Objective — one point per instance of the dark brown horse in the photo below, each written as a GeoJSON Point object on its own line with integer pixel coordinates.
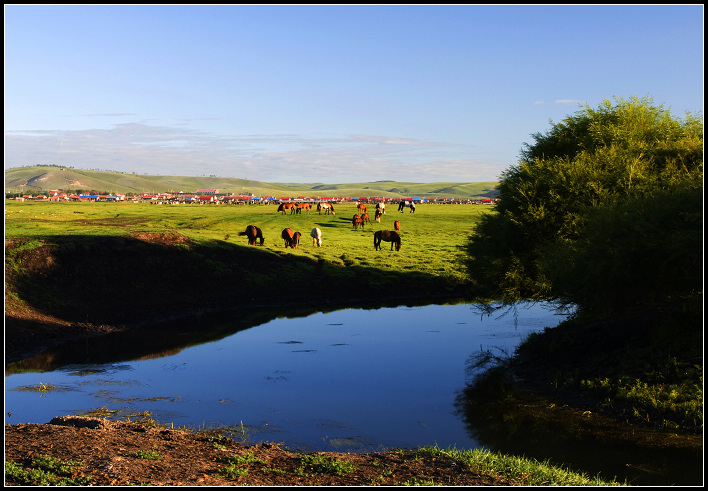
{"type": "Point", "coordinates": [296, 240]}
{"type": "Point", "coordinates": [253, 233]}
{"type": "Point", "coordinates": [356, 221]}
{"type": "Point", "coordinates": [287, 206]}
{"type": "Point", "coordinates": [387, 236]}
{"type": "Point", "coordinates": [288, 236]}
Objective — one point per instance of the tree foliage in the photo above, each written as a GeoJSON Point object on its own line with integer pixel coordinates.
{"type": "Point", "coordinates": [590, 213]}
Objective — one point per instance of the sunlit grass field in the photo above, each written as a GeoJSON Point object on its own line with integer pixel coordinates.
{"type": "Point", "coordinates": [433, 238]}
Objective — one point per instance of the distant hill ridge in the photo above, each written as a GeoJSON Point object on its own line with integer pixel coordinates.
{"type": "Point", "coordinates": [40, 179]}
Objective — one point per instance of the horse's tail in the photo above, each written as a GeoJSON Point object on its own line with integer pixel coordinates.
{"type": "Point", "coordinates": [242, 233]}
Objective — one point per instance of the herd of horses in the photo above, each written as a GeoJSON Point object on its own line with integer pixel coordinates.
{"type": "Point", "coordinates": [291, 238]}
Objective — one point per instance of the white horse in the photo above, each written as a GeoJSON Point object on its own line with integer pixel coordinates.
{"type": "Point", "coordinates": [316, 235]}
{"type": "Point", "coordinates": [327, 207]}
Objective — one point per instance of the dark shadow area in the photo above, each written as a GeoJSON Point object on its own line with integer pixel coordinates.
{"type": "Point", "coordinates": [533, 403]}
{"type": "Point", "coordinates": [514, 422]}
{"type": "Point", "coordinates": [148, 279]}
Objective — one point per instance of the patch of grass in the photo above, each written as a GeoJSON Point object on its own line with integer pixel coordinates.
{"type": "Point", "coordinates": [244, 459]}
{"type": "Point", "coordinates": [521, 470]}
{"type": "Point", "coordinates": [44, 470]}
{"type": "Point", "coordinates": [99, 412]}
{"type": "Point", "coordinates": [322, 464]}
{"type": "Point", "coordinates": [237, 465]}
{"type": "Point", "coordinates": [145, 454]}
{"type": "Point", "coordinates": [231, 471]}
{"type": "Point", "coordinates": [42, 388]}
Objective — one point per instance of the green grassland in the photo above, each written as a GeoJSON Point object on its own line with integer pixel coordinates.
{"type": "Point", "coordinates": [433, 238]}
{"type": "Point", "coordinates": [38, 179]}
{"type": "Point", "coordinates": [125, 262]}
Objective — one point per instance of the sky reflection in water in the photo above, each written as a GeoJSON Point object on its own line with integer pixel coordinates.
{"type": "Point", "coordinates": [349, 380]}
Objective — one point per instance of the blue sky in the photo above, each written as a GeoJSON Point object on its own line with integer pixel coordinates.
{"type": "Point", "coordinates": [328, 94]}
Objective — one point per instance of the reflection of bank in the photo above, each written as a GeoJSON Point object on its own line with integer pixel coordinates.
{"type": "Point", "coordinates": [504, 418]}
{"type": "Point", "coordinates": [155, 341]}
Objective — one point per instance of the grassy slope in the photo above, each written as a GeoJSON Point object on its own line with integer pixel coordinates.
{"type": "Point", "coordinates": [36, 179]}
{"type": "Point", "coordinates": [86, 235]}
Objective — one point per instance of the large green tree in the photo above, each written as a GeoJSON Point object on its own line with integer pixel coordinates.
{"type": "Point", "coordinates": [589, 213]}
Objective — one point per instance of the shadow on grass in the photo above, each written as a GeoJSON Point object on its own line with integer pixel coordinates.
{"type": "Point", "coordinates": [173, 289]}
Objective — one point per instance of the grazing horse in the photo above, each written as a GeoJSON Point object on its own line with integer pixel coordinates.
{"type": "Point", "coordinates": [388, 236]}
{"type": "Point", "coordinates": [303, 206]}
{"type": "Point", "coordinates": [406, 204]}
{"type": "Point", "coordinates": [381, 206]}
{"type": "Point", "coordinates": [316, 235]}
{"type": "Point", "coordinates": [253, 233]}
{"type": "Point", "coordinates": [288, 236]}
{"type": "Point", "coordinates": [287, 206]}
{"type": "Point", "coordinates": [327, 207]}
{"type": "Point", "coordinates": [296, 240]}
{"type": "Point", "coordinates": [365, 218]}
{"type": "Point", "coordinates": [356, 221]}
{"type": "Point", "coordinates": [361, 208]}
{"type": "Point", "coordinates": [397, 226]}
{"type": "Point", "coordinates": [377, 215]}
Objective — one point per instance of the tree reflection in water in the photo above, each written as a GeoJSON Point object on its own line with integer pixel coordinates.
{"type": "Point", "coordinates": [504, 417]}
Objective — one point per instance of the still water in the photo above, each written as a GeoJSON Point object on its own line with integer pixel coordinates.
{"type": "Point", "coordinates": [349, 380]}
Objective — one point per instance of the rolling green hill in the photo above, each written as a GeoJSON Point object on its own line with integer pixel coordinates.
{"type": "Point", "coordinates": [38, 179]}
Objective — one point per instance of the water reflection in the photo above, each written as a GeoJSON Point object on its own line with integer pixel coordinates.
{"type": "Point", "coordinates": [501, 418]}
{"type": "Point", "coordinates": [346, 380]}
{"type": "Point", "coordinates": [350, 380]}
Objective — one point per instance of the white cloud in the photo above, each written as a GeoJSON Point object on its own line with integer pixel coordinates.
{"type": "Point", "coordinates": [146, 149]}
{"type": "Point", "coordinates": [569, 102]}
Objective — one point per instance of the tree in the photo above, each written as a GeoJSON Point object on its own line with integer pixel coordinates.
{"type": "Point", "coordinates": [561, 207]}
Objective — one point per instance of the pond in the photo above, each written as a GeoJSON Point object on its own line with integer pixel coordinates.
{"type": "Point", "coordinates": [356, 380]}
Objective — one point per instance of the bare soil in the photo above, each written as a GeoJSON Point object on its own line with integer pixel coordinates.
{"type": "Point", "coordinates": [107, 451]}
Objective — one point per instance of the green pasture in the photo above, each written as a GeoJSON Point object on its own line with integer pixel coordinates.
{"type": "Point", "coordinates": [433, 238]}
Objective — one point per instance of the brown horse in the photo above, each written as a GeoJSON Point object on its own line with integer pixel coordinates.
{"type": "Point", "coordinates": [303, 206]}
{"type": "Point", "coordinates": [288, 236]}
{"type": "Point", "coordinates": [327, 207]}
{"type": "Point", "coordinates": [361, 208]}
{"type": "Point", "coordinates": [356, 221]}
{"type": "Point", "coordinates": [397, 226]}
{"type": "Point", "coordinates": [296, 240]}
{"type": "Point", "coordinates": [253, 233]}
{"type": "Point", "coordinates": [387, 236]}
{"type": "Point", "coordinates": [287, 206]}
{"type": "Point", "coordinates": [365, 218]}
